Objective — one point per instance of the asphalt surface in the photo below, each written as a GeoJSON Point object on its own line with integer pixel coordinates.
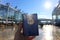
{"type": "Point", "coordinates": [48, 32]}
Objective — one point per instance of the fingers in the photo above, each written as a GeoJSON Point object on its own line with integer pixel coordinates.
{"type": "Point", "coordinates": [22, 31]}
{"type": "Point", "coordinates": [30, 37]}
{"type": "Point", "coordinates": [20, 27]}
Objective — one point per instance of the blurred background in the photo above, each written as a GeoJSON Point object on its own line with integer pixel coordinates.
{"type": "Point", "coordinates": [48, 12]}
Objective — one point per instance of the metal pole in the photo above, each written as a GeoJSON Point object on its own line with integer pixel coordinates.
{"type": "Point", "coordinates": [7, 15]}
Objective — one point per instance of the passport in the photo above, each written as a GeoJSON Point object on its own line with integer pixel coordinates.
{"type": "Point", "coordinates": [30, 25]}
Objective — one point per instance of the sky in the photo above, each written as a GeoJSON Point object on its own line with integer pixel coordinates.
{"type": "Point", "coordinates": [43, 8]}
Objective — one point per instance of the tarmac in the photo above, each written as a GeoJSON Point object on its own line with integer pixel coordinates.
{"type": "Point", "coordinates": [48, 32]}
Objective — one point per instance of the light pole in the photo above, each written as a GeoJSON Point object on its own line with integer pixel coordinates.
{"type": "Point", "coordinates": [7, 13]}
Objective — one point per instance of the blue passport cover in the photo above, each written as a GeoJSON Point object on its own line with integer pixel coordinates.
{"type": "Point", "coordinates": [30, 25]}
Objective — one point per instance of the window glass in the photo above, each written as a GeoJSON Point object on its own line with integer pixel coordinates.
{"type": "Point", "coordinates": [3, 10]}
{"type": "Point", "coordinates": [18, 16]}
{"type": "Point", "coordinates": [54, 16]}
{"type": "Point", "coordinates": [10, 13]}
{"type": "Point", "coordinates": [58, 16]}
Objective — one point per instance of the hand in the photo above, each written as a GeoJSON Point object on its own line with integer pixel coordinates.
{"type": "Point", "coordinates": [30, 37]}
{"type": "Point", "coordinates": [20, 31]}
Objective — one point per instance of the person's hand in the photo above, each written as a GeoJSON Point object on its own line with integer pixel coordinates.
{"type": "Point", "coordinates": [20, 31]}
{"type": "Point", "coordinates": [30, 37]}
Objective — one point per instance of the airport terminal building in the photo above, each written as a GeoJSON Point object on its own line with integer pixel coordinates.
{"type": "Point", "coordinates": [56, 15]}
{"type": "Point", "coordinates": [9, 15]}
